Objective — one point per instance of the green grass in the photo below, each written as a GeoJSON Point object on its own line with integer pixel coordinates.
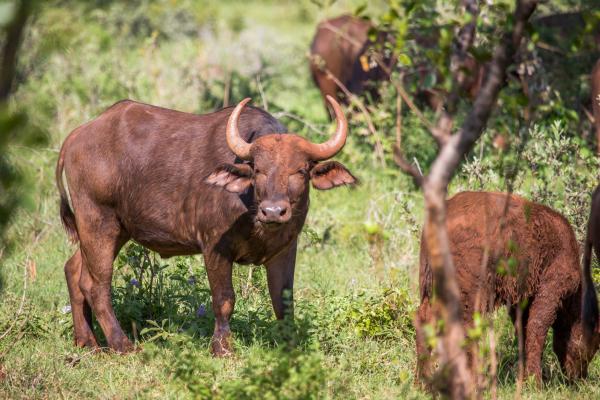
{"type": "Point", "coordinates": [356, 276]}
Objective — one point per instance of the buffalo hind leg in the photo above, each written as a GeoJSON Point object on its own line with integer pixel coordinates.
{"type": "Point", "coordinates": [80, 309]}
{"type": "Point", "coordinates": [101, 238]}
{"type": "Point", "coordinates": [219, 272]}
{"type": "Point", "coordinates": [280, 279]}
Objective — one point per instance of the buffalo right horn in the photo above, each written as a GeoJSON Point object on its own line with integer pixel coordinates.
{"type": "Point", "coordinates": [323, 151]}
{"type": "Point", "coordinates": [239, 146]}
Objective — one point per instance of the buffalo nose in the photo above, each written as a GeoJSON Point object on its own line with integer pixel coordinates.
{"type": "Point", "coordinates": [278, 212]}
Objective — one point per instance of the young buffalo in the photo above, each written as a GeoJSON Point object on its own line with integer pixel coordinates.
{"type": "Point", "coordinates": [230, 185]}
{"type": "Point", "coordinates": [488, 233]}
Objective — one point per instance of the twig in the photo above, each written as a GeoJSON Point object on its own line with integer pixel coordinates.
{"type": "Point", "coordinates": [519, 329]}
{"type": "Point", "coordinates": [407, 167]}
{"type": "Point", "coordinates": [402, 92]}
{"type": "Point", "coordinates": [295, 117]}
{"type": "Point", "coordinates": [262, 93]}
{"type": "Point", "coordinates": [342, 33]}
{"type": "Point", "coordinates": [549, 47]}
{"type": "Point", "coordinates": [493, 363]}
{"type": "Point", "coordinates": [399, 121]}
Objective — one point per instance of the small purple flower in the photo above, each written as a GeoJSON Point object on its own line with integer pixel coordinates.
{"type": "Point", "coordinates": [134, 282]}
{"type": "Point", "coordinates": [192, 280]}
{"type": "Point", "coordinates": [66, 309]}
{"type": "Point", "coordinates": [201, 311]}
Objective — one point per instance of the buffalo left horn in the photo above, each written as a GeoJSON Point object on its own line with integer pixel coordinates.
{"type": "Point", "coordinates": [239, 146]}
{"type": "Point", "coordinates": [323, 151]}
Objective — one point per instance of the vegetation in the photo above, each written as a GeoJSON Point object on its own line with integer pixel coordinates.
{"type": "Point", "coordinates": [356, 286]}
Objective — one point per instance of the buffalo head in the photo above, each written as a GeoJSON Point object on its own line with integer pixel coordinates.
{"type": "Point", "coordinates": [280, 166]}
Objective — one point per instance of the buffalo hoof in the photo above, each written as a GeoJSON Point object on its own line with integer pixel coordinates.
{"type": "Point", "coordinates": [221, 346]}
{"type": "Point", "coordinates": [88, 341]}
{"type": "Point", "coordinates": [122, 346]}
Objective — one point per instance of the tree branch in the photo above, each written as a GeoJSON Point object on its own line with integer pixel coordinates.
{"type": "Point", "coordinates": [461, 143]}
{"type": "Point", "coordinates": [14, 33]}
{"type": "Point", "coordinates": [456, 374]}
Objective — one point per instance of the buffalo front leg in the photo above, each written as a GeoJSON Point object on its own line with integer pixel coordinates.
{"type": "Point", "coordinates": [219, 272]}
{"type": "Point", "coordinates": [80, 309]}
{"type": "Point", "coordinates": [541, 315]}
{"type": "Point", "coordinates": [280, 278]}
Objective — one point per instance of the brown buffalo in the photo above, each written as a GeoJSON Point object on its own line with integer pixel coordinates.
{"type": "Point", "coordinates": [230, 185]}
{"type": "Point", "coordinates": [510, 252]}
{"type": "Point", "coordinates": [341, 47]}
{"type": "Point", "coordinates": [592, 241]}
{"type": "Point", "coordinates": [595, 86]}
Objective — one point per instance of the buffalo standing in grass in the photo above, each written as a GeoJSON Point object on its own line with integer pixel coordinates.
{"type": "Point", "coordinates": [230, 185]}
{"type": "Point", "coordinates": [341, 47]}
{"type": "Point", "coordinates": [486, 230]}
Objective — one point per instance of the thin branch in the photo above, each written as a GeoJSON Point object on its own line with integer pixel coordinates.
{"type": "Point", "coordinates": [262, 93]}
{"type": "Point", "coordinates": [295, 117]}
{"type": "Point", "coordinates": [459, 144]}
{"type": "Point", "coordinates": [402, 91]}
{"type": "Point", "coordinates": [407, 166]}
{"type": "Point", "coordinates": [12, 42]}
{"type": "Point", "coordinates": [342, 33]}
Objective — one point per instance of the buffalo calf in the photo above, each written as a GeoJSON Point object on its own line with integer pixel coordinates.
{"type": "Point", "coordinates": [340, 50]}
{"type": "Point", "coordinates": [511, 252]}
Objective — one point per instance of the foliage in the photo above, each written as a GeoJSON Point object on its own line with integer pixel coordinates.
{"type": "Point", "coordinates": [352, 336]}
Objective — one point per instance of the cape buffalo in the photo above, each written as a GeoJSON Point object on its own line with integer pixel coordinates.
{"type": "Point", "coordinates": [513, 252]}
{"type": "Point", "coordinates": [341, 47]}
{"type": "Point", "coordinates": [230, 185]}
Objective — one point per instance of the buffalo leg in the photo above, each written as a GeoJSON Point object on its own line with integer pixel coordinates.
{"type": "Point", "coordinates": [542, 314]}
{"type": "Point", "coordinates": [101, 238]}
{"type": "Point", "coordinates": [280, 278]}
{"type": "Point", "coordinates": [219, 272]}
{"type": "Point", "coordinates": [80, 309]}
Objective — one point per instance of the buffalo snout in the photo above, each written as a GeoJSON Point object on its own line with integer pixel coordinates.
{"type": "Point", "coordinates": [277, 212]}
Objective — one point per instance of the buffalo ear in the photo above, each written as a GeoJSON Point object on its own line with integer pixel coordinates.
{"type": "Point", "coordinates": [330, 174]}
{"type": "Point", "coordinates": [234, 178]}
